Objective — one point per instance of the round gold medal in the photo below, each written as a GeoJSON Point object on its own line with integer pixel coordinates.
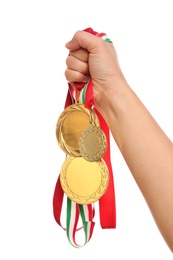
{"type": "Point", "coordinates": [82, 181]}
{"type": "Point", "coordinates": [71, 123]}
{"type": "Point", "coordinates": [92, 143]}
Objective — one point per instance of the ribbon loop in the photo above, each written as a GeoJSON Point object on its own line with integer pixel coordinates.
{"type": "Point", "coordinates": [87, 215]}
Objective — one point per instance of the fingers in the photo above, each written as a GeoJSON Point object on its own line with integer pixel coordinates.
{"type": "Point", "coordinates": [77, 71]}
{"type": "Point", "coordinates": [75, 76]}
{"type": "Point", "coordinates": [80, 54]}
{"type": "Point", "coordinates": [77, 66]}
{"type": "Point", "coordinates": [84, 40]}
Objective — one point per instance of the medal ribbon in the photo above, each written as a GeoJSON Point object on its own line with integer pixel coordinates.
{"type": "Point", "coordinates": [107, 205]}
{"type": "Point", "coordinates": [86, 213]}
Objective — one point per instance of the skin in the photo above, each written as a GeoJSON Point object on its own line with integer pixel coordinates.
{"type": "Point", "coordinates": [146, 149]}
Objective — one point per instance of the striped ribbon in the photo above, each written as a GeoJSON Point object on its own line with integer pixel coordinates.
{"type": "Point", "coordinates": [87, 214]}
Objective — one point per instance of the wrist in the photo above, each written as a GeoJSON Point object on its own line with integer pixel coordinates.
{"type": "Point", "coordinates": [116, 100]}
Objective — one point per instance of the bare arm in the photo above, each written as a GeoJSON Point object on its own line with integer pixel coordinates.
{"type": "Point", "coordinates": [146, 149]}
{"type": "Point", "coordinates": [148, 153]}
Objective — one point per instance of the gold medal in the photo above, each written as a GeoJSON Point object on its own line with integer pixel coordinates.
{"type": "Point", "coordinates": [71, 123]}
{"type": "Point", "coordinates": [82, 181]}
{"type": "Point", "coordinates": [92, 143]}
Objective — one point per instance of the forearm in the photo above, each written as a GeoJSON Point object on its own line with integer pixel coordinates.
{"type": "Point", "coordinates": [148, 153]}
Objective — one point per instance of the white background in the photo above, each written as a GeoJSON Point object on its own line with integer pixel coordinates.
{"type": "Point", "coordinates": [32, 95]}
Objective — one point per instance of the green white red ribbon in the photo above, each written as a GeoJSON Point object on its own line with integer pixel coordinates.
{"type": "Point", "coordinates": [86, 212]}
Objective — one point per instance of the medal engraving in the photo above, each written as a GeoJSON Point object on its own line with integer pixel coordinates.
{"type": "Point", "coordinates": [92, 143]}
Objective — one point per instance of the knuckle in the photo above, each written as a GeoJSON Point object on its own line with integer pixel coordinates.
{"type": "Point", "coordinates": [77, 33]}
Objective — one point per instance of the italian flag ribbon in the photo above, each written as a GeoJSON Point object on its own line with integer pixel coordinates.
{"type": "Point", "coordinates": [87, 214]}
{"type": "Point", "coordinates": [107, 205]}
